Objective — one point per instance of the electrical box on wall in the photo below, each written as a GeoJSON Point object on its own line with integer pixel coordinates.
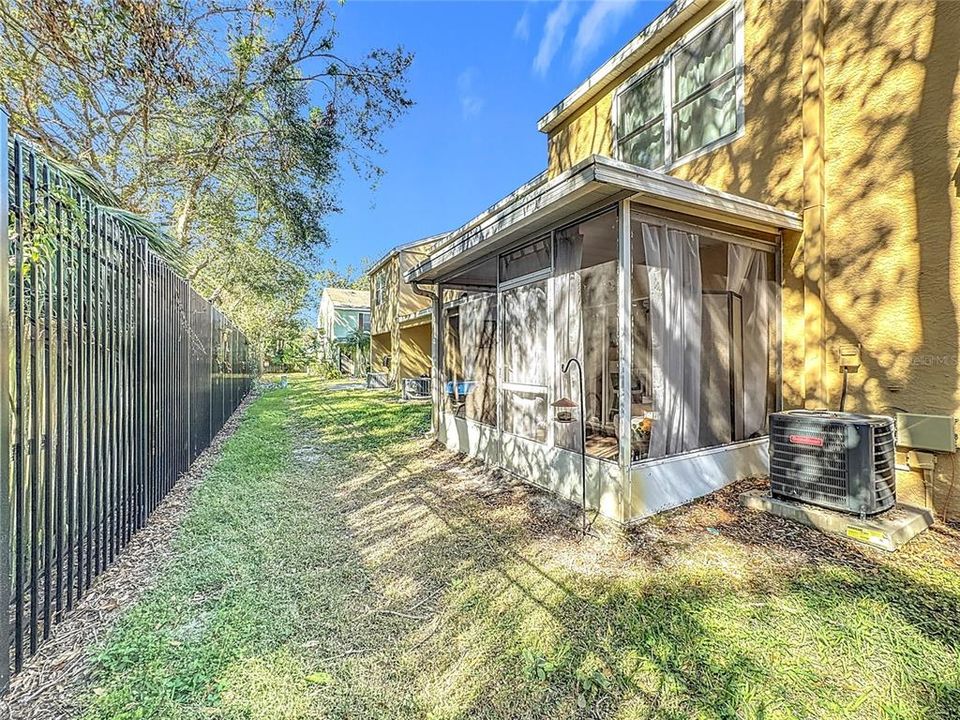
{"type": "Point", "coordinates": [926, 432]}
{"type": "Point", "coordinates": [848, 357]}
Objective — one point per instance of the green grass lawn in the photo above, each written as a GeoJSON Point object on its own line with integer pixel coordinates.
{"type": "Point", "coordinates": [336, 565]}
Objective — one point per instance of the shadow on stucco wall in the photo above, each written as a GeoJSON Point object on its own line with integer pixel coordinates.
{"type": "Point", "coordinates": [587, 133]}
{"type": "Point", "coordinates": [956, 176]}
{"type": "Point", "coordinates": [766, 164]}
{"type": "Point", "coordinates": [930, 158]}
{"type": "Point", "coordinates": [891, 227]}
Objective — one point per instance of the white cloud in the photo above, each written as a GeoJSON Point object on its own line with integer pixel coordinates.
{"type": "Point", "coordinates": [470, 102]}
{"type": "Point", "coordinates": [598, 23]}
{"type": "Point", "coordinates": [521, 31]}
{"type": "Point", "coordinates": [554, 30]}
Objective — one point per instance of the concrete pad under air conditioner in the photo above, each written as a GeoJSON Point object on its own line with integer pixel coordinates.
{"type": "Point", "coordinates": [887, 531]}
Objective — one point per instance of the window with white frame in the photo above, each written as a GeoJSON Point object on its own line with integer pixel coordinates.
{"type": "Point", "coordinates": [640, 120]}
{"type": "Point", "coordinates": [705, 88]}
{"type": "Point", "coordinates": [698, 83]}
{"type": "Point", "coordinates": [379, 288]}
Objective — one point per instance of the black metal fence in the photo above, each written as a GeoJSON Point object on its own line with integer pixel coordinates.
{"type": "Point", "coordinates": [120, 375]}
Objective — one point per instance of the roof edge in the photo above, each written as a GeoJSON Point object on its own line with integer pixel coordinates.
{"type": "Point", "coordinates": [400, 248]}
{"type": "Point", "coordinates": [538, 185]}
{"type": "Point", "coordinates": [602, 170]}
{"type": "Point", "coordinates": [674, 15]}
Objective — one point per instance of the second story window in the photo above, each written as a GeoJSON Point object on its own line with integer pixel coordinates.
{"type": "Point", "coordinates": [705, 88]}
{"type": "Point", "coordinates": [379, 288]}
{"type": "Point", "coordinates": [689, 100]}
{"type": "Point", "coordinates": [640, 121]}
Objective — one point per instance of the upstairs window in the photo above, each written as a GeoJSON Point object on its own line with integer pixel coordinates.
{"type": "Point", "coordinates": [640, 121]}
{"type": "Point", "coordinates": [379, 288]}
{"type": "Point", "coordinates": [689, 101]}
{"type": "Point", "coordinates": [705, 88]}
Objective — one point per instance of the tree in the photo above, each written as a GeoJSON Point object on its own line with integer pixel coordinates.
{"type": "Point", "coordinates": [226, 123]}
{"type": "Point", "coordinates": [294, 350]}
{"type": "Point", "coordinates": [352, 277]}
{"type": "Point", "coordinates": [357, 343]}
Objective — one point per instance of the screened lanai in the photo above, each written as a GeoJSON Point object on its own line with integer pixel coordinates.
{"type": "Point", "coordinates": [668, 296]}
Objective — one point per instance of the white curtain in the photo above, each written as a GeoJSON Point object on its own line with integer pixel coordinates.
{"type": "Point", "coordinates": [747, 276]}
{"type": "Point", "coordinates": [569, 326]}
{"type": "Point", "coordinates": [524, 316]}
{"type": "Point", "coordinates": [472, 315]}
{"type": "Point", "coordinates": [676, 294]}
{"type": "Point", "coordinates": [477, 349]}
{"type": "Point", "coordinates": [525, 333]}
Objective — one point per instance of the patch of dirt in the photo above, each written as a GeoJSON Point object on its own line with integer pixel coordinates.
{"type": "Point", "coordinates": [54, 681]}
{"type": "Point", "coordinates": [306, 455]}
{"type": "Point", "coordinates": [675, 537]}
{"type": "Point", "coordinates": [719, 516]}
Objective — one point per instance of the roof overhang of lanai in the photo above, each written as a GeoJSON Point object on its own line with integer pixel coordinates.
{"type": "Point", "coordinates": [542, 204]}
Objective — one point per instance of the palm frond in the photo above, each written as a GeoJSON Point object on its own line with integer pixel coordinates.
{"type": "Point", "coordinates": [107, 200]}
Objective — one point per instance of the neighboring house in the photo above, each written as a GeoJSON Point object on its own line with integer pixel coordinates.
{"type": "Point", "coordinates": [744, 192]}
{"type": "Point", "coordinates": [400, 321]}
{"type": "Point", "coordinates": [343, 314]}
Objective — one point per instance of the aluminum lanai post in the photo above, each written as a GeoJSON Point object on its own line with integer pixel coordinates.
{"type": "Point", "coordinates": [436, 341]}
{"type": "Point", "coordinates": [625, 340]}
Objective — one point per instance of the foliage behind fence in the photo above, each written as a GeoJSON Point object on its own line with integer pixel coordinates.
{"type": "Point", "coordinates": [120, 375]}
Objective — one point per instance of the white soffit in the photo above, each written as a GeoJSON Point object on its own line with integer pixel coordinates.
{"type": "Point", "coordinates": [662, 190]}
{"type": "Point", "coordinates": [589, 183]}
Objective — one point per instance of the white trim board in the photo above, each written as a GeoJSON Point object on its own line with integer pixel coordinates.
{"type": "Point", "coordinates": [591, 181]}
{"type": "Point", "coordinates": [665, 483]}
{"type": "Point", "coordinates": [405, 247]}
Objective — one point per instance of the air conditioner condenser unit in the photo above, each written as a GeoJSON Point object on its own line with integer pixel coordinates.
{"type": "Point", "coordinates": [842, 461]}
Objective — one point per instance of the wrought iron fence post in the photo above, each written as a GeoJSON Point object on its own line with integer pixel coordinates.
{"type": "Point", "coordinates": [4, 410]}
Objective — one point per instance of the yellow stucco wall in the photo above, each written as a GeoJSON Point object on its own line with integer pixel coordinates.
{"type": "Point", "coordinates": [414, 351]}
{"type": "Point", "coordinates": [399, 299]}
{"type": "Point", "coordinates": [383, 317]}
{"type": "Point", "coordinates": [888, 233]}
{"type": "Point", "coordinates": [381, 345]}
{"type": "Point", "coordinates": [892, 114]}
{"type": "Point", "coordinates": [764, 164]}
{"type": "Point", "coordinates": [409, 302]}
{"type": "Point", "coordinates": [409, 348]}
{"type": "Point", "coordinates": [893, 213]}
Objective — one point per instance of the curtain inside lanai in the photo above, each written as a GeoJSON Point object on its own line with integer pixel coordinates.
{"type": "Point", "coordinates": [478, 315]}
{"type": "Point", "coordinates": [672, 259]}
{"type": "Point", "coordinates": [747, 276]}
{"type": "Point", "coordinates": [568, 321]}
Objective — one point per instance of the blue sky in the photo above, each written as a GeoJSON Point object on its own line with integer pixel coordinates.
{"type": "Point", "coordinates": [483, 74]}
